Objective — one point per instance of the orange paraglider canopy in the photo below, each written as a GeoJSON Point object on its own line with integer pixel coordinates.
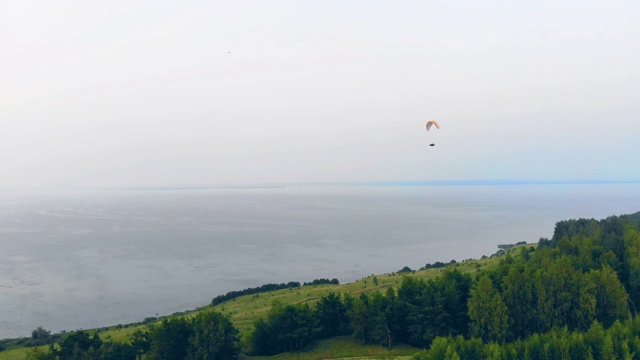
{"type": "Point", "coordinates": [432, 123]}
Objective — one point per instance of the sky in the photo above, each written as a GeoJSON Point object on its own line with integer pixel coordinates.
{"type": "Point", "coordinates": [111, 94]}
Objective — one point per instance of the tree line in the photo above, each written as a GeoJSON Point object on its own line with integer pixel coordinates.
{"type": "Point", "coordinates": [209, 335]}
{"type": "Point", "coordinates": [250, 291]}
{"type": "Point", "coordinates": [621, 341]}
{"type": "Point", "coordinates": [414, 314]}
{"type": "Point", "coordinates": [267, 288]}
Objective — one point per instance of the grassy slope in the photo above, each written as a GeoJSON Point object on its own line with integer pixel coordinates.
{"type": "Point", "coordinates": [244, 310]}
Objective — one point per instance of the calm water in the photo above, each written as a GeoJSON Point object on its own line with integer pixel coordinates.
{"type": "Point", "coordinates": [84, 260]}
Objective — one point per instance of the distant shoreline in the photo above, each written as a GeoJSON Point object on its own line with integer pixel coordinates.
{"type": "Point", "coordinates": [417, 183]}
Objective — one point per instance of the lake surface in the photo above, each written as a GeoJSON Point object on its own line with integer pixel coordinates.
{"type": "Point", "coordinates": [83, 260]}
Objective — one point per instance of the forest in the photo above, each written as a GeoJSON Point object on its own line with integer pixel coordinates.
{"type": "Point", "coordinates": [572, 296]}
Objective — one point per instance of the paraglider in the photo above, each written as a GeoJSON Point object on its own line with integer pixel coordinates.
{"type": "Point", "coordinates": [431, 123]}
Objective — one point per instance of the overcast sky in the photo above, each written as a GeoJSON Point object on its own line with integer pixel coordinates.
{"type": "Point", "coordinates": [179, 93]}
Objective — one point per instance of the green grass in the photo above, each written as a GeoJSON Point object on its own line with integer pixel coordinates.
{"type": "Point", "coordinates": [13, 354]}
{"type": "Point", "coordinates": [244, 310]}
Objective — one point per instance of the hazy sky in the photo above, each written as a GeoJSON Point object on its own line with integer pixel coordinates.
{"type": "Point", "coordinates": [178, 93]}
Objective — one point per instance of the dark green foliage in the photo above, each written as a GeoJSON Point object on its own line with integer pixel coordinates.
{"type": "Point", "coordinates": [565, 296]}
{"type": "Point", "coordinates": [331, 314]}
{"type": "Point", "coordinates": [115, 351]}
{"type": "Point", "coordinates": [322, 282]}
{"type": "Point", "coordinates": [520, 297]}
{"type": "Point", "coordinates": [611, 297]}
{"type": "Point", "coordinates": [170, 340]}
{"type": "Point", "coordinates": [261, 343]}
{"type": "Point", "coordinates": [621, 341]}
{"type": "Point", "coordinates": [589, 270]}
{"type": "Point", "coordinates": [76, 343]}
{"type": "Point", "coordinates": [38, 337]}
{"type": "Point", "coordinates": [572, 228]}
{"type": "Point", "coordinates": [612, 242]}
{"type": "Point", "coordinates": [286, 328]}
{"type": "Point", "coordinates": [438, 265]}
{"type": "Point", "coordinates": [140, 342]}
{"type": "Point", "coordinates": [213, 338]}
{"type": "Point", "coordinates": [359, 317]}
{"type": "Point", "coordinates": [150, 319]}
{"type": "Point", "coordinates": [297, 327]}
{"type": "Point", "coordinates": [209, 335]}
{"type": "Point", "coordinates": [79, 345]}
{"type": "Point", "coordinates": [576, 277]}
{"type": "Point", "coordinates": [586, 278]}
{"type": "Point", "coordinates": [434, 308]}
{"type": "Point", "coordinates": [40, 334]}
{"type": "Point", "coordinates": [384, 317]}
{"type": "Point", "coordinates": [488, 313]}
{"type": "Point", "coordinates": [417, 313]}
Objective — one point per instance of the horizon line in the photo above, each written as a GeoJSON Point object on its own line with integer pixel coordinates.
{"type": "Point", "coordinates": [408, 183]}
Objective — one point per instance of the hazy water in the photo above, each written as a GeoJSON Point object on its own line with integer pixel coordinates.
{"type": "Point", "coordinates": [83, 260]}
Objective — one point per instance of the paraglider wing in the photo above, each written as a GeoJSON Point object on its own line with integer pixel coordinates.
{"type": "Point", "coordinates": [432, 123]}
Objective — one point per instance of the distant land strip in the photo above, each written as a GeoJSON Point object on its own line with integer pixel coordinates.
{"type": "Point", "coordinates": [416, 183]}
